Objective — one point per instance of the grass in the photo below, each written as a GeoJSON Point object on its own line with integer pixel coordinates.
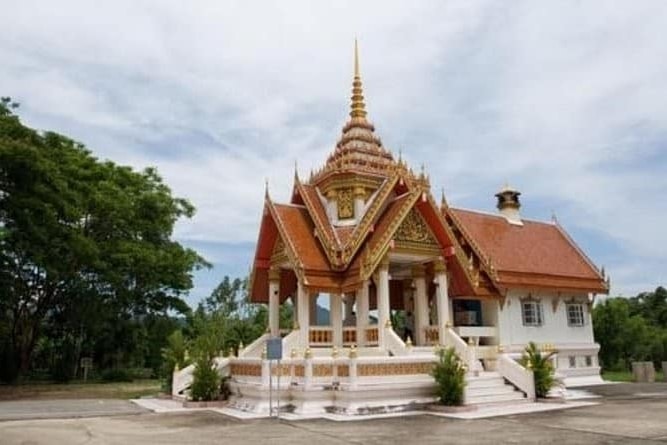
{"type": "Point", "coordinates": [626, 376]}
{"type": "Point", "coordinates": [78, 390]}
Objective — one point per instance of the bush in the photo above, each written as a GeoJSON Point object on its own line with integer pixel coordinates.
{"type": "Point", "coordinates": [206, 382]}
{"type": "Point", "coordinates": [542, 367]}
{"type": "Point", "coordinates": [449, 374]}
{"type": "Point", "coordinates": [116, 375]}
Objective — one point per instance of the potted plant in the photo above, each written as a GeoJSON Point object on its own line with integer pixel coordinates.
{"type": "Point", "coordinates": [449, 374]}
{"type": "Point", "coordinates": [543, 369]}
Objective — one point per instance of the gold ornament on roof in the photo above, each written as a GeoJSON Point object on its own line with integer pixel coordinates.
{"type": "Point", "coordinates": [345, 204]}
{"type": "Point", "coordinates": [413, 229]}
{"type": "Point", "coordinates": [358, 108]}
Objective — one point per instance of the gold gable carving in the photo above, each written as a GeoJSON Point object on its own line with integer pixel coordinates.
{"type": "Point", "coordinates": [345, 203]}
{"type": "Point", "coordinates": [278, 247]}
{"type": "Point", "coordinates": [278, 255]}
{"type": "Point", "coordinates": [414, 230]}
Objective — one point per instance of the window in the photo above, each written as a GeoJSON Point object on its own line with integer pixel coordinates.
{"type": "Point", "coordinates": [575, 314]}
{"type": "Point", "coordinates": [589, 361]}
{"type": "Point", "coordinates": [532, 313]}
{"type": "Point", "coordinates": [573, 361]}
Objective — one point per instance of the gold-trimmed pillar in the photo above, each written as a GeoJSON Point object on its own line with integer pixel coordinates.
{"type": "Point", "coordinates": [312, 306]}
{"type": "Point", "coordinates": [421, 304]}
{"type": "Point", "coordinates": [274, 301]}
{"type": "Point", "coordinates": [441, 298]}
{"type": "Point", "coordinates": [336, 309]}
{"type": "Point", "coordinates": [303, 313]}
{"type": "Point", "coordinates": [362, 313]}
{"type": "Point", "coordinates": [382, 287]}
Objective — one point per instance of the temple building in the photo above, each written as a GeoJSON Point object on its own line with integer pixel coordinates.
{"type": "Point", "coordinates": [404, 274]}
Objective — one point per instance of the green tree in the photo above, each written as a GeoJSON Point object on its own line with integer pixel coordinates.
{"type": "Point", "coordinates": [631, 329]}
{"type": "Point", "coordinates": [80, 234]}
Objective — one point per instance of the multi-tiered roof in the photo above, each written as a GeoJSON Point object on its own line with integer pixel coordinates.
{"type": "Point", "coordinates": [363, 203]}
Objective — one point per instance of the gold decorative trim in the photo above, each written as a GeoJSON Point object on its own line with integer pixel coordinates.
{"type": "Point", "coordinates": [386, 369]}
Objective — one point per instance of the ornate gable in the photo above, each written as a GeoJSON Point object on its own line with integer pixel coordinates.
{"type": "Point", "coordinates": [414, 232]}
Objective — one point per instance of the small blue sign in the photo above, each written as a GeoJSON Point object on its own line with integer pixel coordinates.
{"type": "Point", "coordinates": [274, 348]}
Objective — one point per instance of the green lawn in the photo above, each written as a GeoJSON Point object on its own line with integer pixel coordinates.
{"type": "Point", "coordinates": [76, 390]}
{"type": "Point", "coordinates": [626, 376]}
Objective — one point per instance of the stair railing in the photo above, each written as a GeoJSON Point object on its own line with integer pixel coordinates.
{"type": "Point", "coordinates": [517, 375]}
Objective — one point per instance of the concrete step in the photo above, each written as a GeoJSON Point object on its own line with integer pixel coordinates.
{"type": "Point", "coordinates": [484, 382]}
{"type": "Point", "coordinates": [485, 399]}
{"type": "Point", "coordinates": [490, 390]}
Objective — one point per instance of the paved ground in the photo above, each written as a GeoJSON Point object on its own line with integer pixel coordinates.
{"type": "Point", "coordinates": [622, 417]}
{"type": "Point", "coordinates": [51, 409]}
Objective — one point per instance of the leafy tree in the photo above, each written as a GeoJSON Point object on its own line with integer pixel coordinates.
{"type": "Point", "coordinates": [631, 329]}
{"type": "Point", "coordinates": [81, 238]}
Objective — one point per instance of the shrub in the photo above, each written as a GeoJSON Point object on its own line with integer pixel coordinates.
{"type": "Point", "coordinates": [449, 374]}
{"type": "Point", "coordinates": [173, 355]}
{"type": "Point", "coordinates": [542, 367]}
{"type": "Point", "coordinates": [206, 382]}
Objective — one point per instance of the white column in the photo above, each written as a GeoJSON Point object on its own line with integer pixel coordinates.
{"type": "Point", "coordinates": [362, 313]}
{"type": "Point", "coordinates": [382, 287]}
{"type": "Point", "coordinates": [359, 194]}
{"type": "Point", "coordinates": [274, 301]}
{"type": "Point", "coordinates": [441, 298]}
{"type": "Point", "coordinates": [336, 316]}
{"type": "Point", "coordinates": [312, 302]}
{"type": "Point", "coordinates": [303, 311]}
{"type": "Point", "coordinates": [421, 304]}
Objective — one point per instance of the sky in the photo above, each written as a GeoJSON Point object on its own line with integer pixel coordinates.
{"type": "Point", "coordinates": [564, 100]}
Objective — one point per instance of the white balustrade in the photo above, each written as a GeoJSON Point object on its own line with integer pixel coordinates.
{"type": "Point", "coordinates": [394, 344]}
{"type": "Point", "coordinates": [517, 375]}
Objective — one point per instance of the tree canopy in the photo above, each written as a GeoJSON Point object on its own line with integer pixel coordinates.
{"type": "Point", "coordinates": [81, 240]}
{"type": "Point", "coordinates": [632, 329]}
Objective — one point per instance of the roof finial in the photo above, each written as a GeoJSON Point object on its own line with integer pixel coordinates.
{"type": "Point", "coordinates": [266, 188]}
{"type": "Point", "coordinates": [356, 58]}
{"type": "Point", "coordinates": [296, 171]}
{"type": "Point", "coordinates": [358, 106]}
{"type": "Point", "coordinates": [443, 200]}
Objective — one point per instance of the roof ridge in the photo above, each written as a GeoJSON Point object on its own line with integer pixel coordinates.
{"type": "Point", "coordinates": [486, 213]}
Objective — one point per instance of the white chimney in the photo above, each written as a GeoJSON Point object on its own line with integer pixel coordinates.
{"type": "Point", "coordinates": [509, 205]}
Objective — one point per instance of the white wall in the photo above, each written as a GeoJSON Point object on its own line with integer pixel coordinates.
{"type": "Point", "coordinates": [554, 329]}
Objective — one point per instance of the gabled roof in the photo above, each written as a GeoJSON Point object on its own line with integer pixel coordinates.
{"type": "Point", "coordinates": [537, 254]}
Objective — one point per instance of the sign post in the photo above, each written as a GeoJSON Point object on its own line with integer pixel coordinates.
{"type": "Point", "coordinates": [274, 351]}
{"type": "Point", "coordinates": [86, 364]}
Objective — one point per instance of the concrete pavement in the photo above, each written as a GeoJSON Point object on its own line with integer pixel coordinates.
{"type": "Point", "coordinates": [622, 417]}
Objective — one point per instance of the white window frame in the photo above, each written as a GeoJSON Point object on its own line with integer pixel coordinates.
{"type": "Point", "coordinates": [535, 312]}
{"type": "Point", "coordinates": [576, 318]}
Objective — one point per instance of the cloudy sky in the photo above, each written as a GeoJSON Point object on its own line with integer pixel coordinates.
{"type": "Point", "coordinates": [565, 100]}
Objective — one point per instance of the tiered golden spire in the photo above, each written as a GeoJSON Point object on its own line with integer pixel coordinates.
{"type": "Point", "coordinates": [358, 148]}
{"type": "Point", "coordinates": [358, 105]}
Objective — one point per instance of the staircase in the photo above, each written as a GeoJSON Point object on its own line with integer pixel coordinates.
{"type": "Point", "coordinates": [490, 388]}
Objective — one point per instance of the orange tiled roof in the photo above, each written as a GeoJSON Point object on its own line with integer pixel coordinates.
{"type": "Point", "coordinates": [535, 254]}
{"type": "Point", "coordinates": [314, 203]}
{"type": "Point", "coordinates": [298, 227]}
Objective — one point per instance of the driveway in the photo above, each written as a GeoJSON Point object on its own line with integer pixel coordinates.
{"type": "Point", "coordinates": [627, 414]}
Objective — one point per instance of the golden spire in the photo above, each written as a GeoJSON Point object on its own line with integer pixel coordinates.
{"type": "Point", "coordinates": [358, 106]}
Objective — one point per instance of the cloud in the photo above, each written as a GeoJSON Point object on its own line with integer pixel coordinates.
{"type": "Point", "coordinates": [564, 100]}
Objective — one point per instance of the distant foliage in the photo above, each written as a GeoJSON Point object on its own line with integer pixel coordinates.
{"type": "Point", "coordinates": [631, 329]}
{"type": "Point", "coordinates": [449, 374]}
{"type": "Point", "coordinates": [542, 367]}
{"type": "Point", "coordinates": [88, 266]}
